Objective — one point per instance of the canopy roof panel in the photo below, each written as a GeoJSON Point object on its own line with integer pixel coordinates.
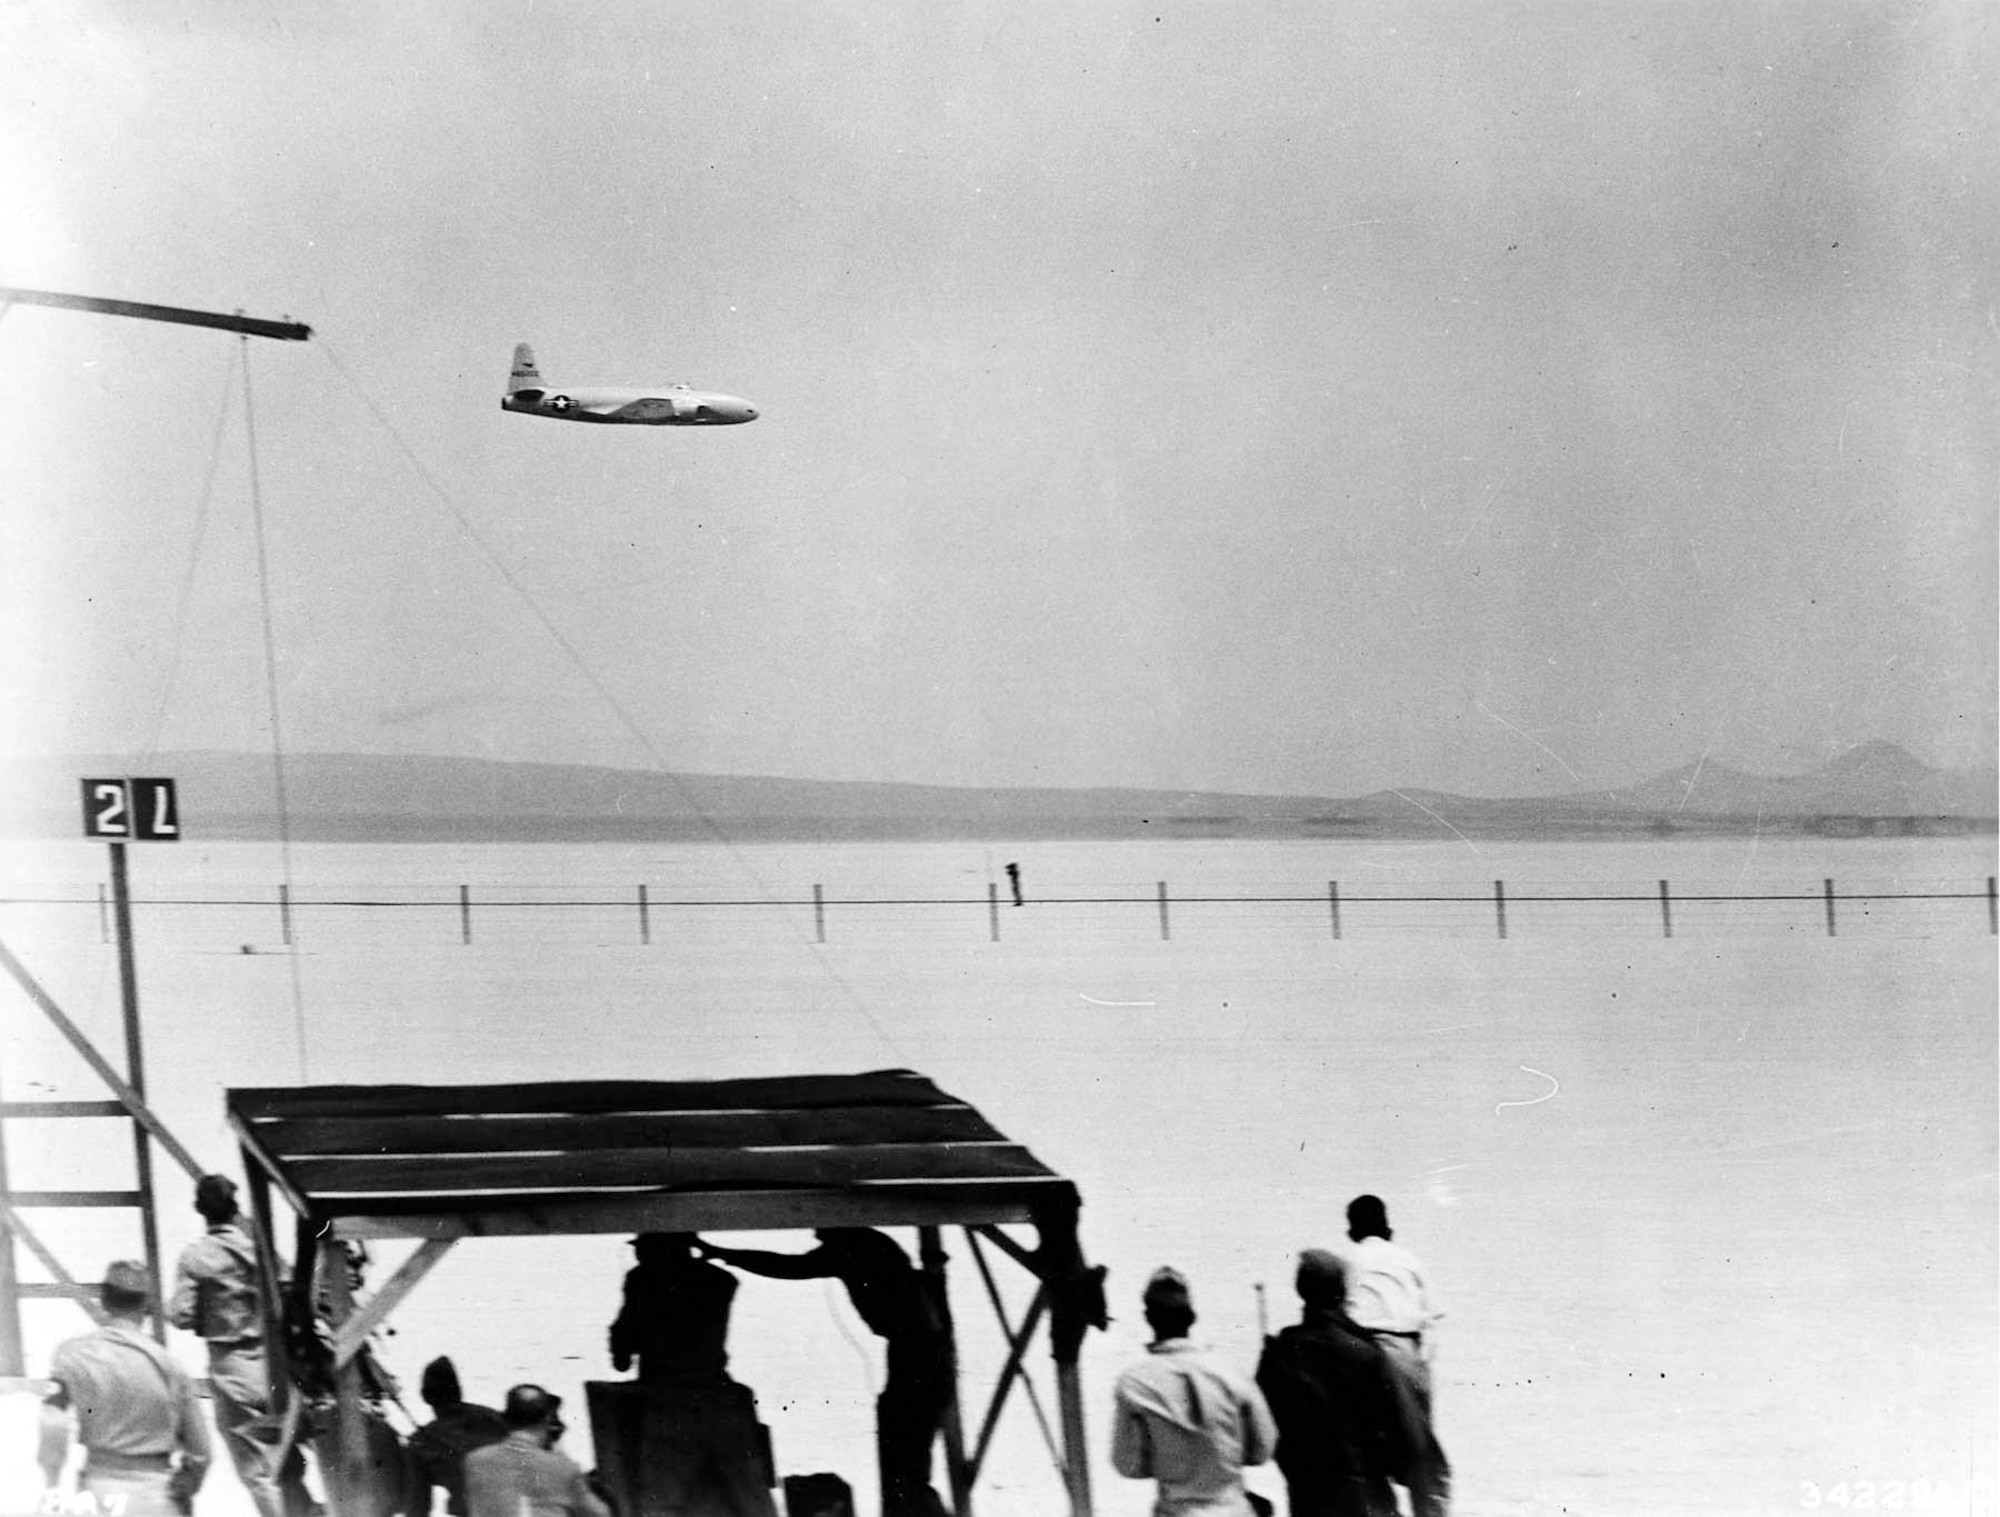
{"type": "Point", "coordinates": [882, 1148]}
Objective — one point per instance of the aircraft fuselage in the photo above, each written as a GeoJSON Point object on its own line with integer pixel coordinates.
{"type": "Point", "coordinates": [675, 406]}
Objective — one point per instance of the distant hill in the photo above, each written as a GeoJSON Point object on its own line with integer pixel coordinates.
{"type": "Point", "coordinates": [1874, 789]}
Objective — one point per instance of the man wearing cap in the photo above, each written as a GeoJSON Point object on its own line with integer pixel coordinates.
{"type": "Point", "coordinates": [146, 1444]}
{"type": "Point", "coordinates": [1389, 1298]}
{"type": "Point", "coordinates": [1342, 1427]}
{"type": "Point", "coordinates": [522, 1475]}
{"type": "Point", "coordinates": [437, 1450]}
{"type": "Point", "coordinates": [1184, 1419]}
{"type": "Point", "coordinates": [219, 1295]}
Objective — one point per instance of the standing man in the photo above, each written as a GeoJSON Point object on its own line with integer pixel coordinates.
{"type": "Point", "coordinates": [675, 1315]}
{"type": "Point", "coordinates": [1186, 1420]}
{"type": "Point", "coordinates": [146, 1445]}
{"type": "Point", "coordinates": [219, 1295]}
{"type": "Point", "coordinates": [1342, 1426]}
{"type": "Point", "coordinates": [1388, 1297]}
{"type": "Point", "coordinates": [437, 1450]}
{"type": "Point", "coordinates": [697, 1446]}
{"type": "Point", "coordinates": [895, 1301]}
{"type": "Point", "coordinates": [522, 1475]}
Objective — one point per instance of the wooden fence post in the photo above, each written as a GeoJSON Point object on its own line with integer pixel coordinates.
{"type": "Point", "coordinates": [1164, 933]}
{"type": "Point", "coordinates": [285, 913]}
{"type": "Point", "coordinates": [819, 912]}
{"type": "Point", "coordinates": [1333, 906]}
{"type": "Point", "coordinates": [1666, 912]}
{"type": "Point", "coordinates": [645, 918]}
{"type": "Point", "coordinates": [993, 909]}
{"type": "Point", "coordinates": [465, 913]}
{"type": "Point", "coordinates": [1992, 908]}
{"type": "Point", "coordinates": [1829, 908]}
{"type": "Point", "coordinates": [1500, 905]}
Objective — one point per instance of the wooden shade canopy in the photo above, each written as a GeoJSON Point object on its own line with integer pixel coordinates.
{"type": "Point", "coordinates": [454, 1161]}
{"type": "Point", "coordinates": [444, 1163]}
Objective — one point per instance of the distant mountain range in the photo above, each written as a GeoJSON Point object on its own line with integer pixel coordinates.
{"type": "Point", "coordinates": [1875, 789]}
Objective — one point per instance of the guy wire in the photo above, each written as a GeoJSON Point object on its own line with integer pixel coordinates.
{"type": "Point", "coordinates": [280, 796]}
{"type": "Point", "coordinates": [179, 634]}
{"type": "Point", "coordinates": [617, 708]}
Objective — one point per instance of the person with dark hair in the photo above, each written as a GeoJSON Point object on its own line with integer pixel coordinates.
{"type": "Point", "coordinates": [1389, 1298]}
{"type": "Point", "coordinates": [694, 1443]}
{"type": "Point", "coordinates": [895, 1301]}
{"type": "Point", "coordinates": [1184, 1419]}
{"type": "Point", "coordinates": [219, 1295]}
{"type": "Point", "coordinates": [675, 1315]}
{"type": "Point", "coordinates": [522, 1475]}
{"type": "Point", "coordinates": [437, 1450]}
{"type": "Point", "coordinates": [146, 1446]}
{"type": "Point", "coordinates": [1342, 1428]}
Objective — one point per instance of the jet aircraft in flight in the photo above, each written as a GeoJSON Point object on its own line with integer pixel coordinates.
{"type": "Point", "coordinates": [669, 406]}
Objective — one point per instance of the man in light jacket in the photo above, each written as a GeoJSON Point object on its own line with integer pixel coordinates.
{"type": "Point", "coordinates": [1389, 1297]}
{"type": "Point", "coordinates": [1185, 1419]}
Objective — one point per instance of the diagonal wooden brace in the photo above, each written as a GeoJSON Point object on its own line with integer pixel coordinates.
{"type": "Point", "coordinates": [129, 1098]}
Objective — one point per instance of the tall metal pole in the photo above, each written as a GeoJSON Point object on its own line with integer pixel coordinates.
{"type": "Point", "coordinates": [135, 1074]}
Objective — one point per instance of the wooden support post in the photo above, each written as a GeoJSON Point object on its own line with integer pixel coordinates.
{"type": "Point", "coordinates": [819, 913]}
{"type": "Point", "coordinates": [1076, 1460]}
{"type": "Point", "coordinates": [1500, 905]}
{"type": "Point", "coordinates": [13, 1353]}
{"type": "Point", "coordinates": [1333, 906]}
{"type": "Point", "coordinates": [1992, 908]}
{"type": "Point", "coordinates": [645, 919]}
{"type": "Point", "coordinates": [351, 1475]}
{"type": "Point", "coordinates": [931, 1251]}
{"type": "Point", "coordinates": [1666, 912]}
{"type": "Point", "coordinates": [135, 1074]}
{"type": "Point", "coordinates": [277, 1364]}
{"type": "Point", "coordinates": [285, 913]}
{"type": "Point", "coordinates": [1164, 931]}
{"type": "Point", "coordinates": [1829, 909]}
{"type": "Point", "coordinates": [993, 911]}
{"type": "Point", "coordinates": [1072, 1312]}
{"type": "Point", "coordinates": [465, 913]}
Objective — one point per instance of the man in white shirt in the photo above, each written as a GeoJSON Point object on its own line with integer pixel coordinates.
{"type": "Point", "coordinates": [1185, 1419]}
{"type": "Point", "coordinates": [1387, 1295]}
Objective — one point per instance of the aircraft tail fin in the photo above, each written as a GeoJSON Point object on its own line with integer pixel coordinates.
{"type": "Point", "coordinates": [525, 376]}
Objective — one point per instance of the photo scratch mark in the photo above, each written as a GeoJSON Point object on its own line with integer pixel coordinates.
{"type": "Point", "coordinates": [1700, 763]}
{"type": "Point", "coordinates": [1436, 818]}
{"type": "Point", "coordinates": [1095, 1002]}
{"type": "Point", "coordinates": [1440, 1187]}
{"type": "Point", "coordinates": [1531, 738]}
{"type": "Point", "coordinates": [1554, 1086]}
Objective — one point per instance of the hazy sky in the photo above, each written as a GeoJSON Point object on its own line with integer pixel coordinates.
{"type": "Point", "coordinates": [1319, 397]}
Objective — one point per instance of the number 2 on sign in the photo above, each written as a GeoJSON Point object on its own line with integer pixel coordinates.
{"type": "Point", "coordinates": [108, 818]}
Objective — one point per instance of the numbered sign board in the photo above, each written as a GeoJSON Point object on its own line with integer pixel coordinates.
{"type": "Point", "coordinates": [143, 809]}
